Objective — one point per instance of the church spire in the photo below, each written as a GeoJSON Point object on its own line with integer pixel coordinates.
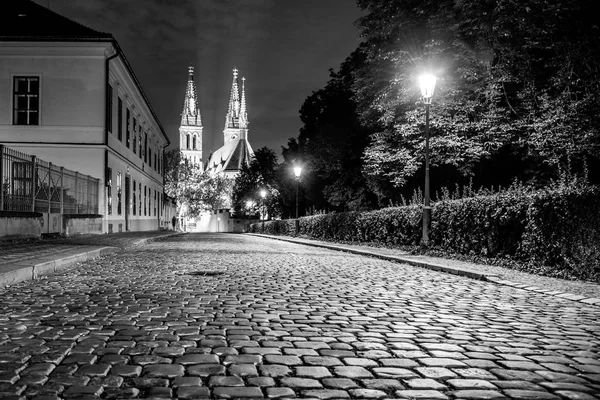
{"type": "Point", "coordinates": [243, 112]}
{"type": "Point", "coordinates": [233, 111]}
{"type": "Point", "coordinates": [191, 112]}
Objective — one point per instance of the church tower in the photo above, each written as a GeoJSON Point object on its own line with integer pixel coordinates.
{"type": "Point", "coordinates": [236, 121]}
{"type": "Point", "coordinates": [236, 150]}
{"type": "Point", "coordinates": [190, 130]}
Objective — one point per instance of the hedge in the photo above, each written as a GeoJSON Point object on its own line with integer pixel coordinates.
{"type": "Point", "coordinates": [557, 229]}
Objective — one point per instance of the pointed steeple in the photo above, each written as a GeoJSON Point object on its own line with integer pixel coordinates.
{"type": "Point", "coordinates": [243, 112]}
{"type": "Point", "coordinates": [233, 111]}
{"type": "Point", "coordinates": [190, 130]}
{"type": "Point", "coordinates": [191, 111]}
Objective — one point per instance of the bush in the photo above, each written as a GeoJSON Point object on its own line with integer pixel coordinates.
{"type": "Point", "coordinates": [556, 229]}
{"type": "Point", "coordinates": [563, 232]}
{"type": "Point", "coordinates": [490, 225]}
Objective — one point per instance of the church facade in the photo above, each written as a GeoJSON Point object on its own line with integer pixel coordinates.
{"type": "Point", "coordinates": [236, 150]}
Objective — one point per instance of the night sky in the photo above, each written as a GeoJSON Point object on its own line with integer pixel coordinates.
{"type": "Point", "coordinates": [284, 48]}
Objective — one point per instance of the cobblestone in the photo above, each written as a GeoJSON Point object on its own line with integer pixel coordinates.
{"type": "Point", "coordinates": [287, 321]}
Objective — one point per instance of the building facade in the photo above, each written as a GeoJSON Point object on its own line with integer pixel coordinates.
{"type": "Point", "coordinates": [74, 100]}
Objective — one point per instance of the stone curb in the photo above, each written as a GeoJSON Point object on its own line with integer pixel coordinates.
{"type": "Point", "coordinates": [37, 267]}
{"type": "Point", "coordinates": [33, 269]}
{"type": "Point", "coordinates": [439, 267]}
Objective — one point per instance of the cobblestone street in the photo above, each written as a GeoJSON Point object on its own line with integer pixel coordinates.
{"type": "Point", "coordinates": [233, 316]}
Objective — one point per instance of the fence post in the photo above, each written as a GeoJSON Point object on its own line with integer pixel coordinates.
{"type": "Point", "coordinates": [76, 192]}
{"type": "Point", "coordinates": [1, 177]}
{"type": "Point", "coordinates": [87, 202]}
{"type": "Point", "coordinates": [49, 188]}
{"type": "Point", "coordinates": [62, 190]}
{"type": "Point", "coordinates": [33, 182]}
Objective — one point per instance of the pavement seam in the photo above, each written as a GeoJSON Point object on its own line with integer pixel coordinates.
{"type": "Point", "coordinates": [437, 267]}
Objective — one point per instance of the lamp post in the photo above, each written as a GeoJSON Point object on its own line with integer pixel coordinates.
{"type": "Point", "coordinates": [218, 224]}
{"type": "Point", "coordinates": [297, 173]}
{"type": "Point", "coordinates": [427, 83]}
{"type": "Point", "coordinates": [263, 194]}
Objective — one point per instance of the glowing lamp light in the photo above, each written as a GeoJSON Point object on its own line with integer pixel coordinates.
{"type": "Point", "coordinates": [263, 193]}
{"type": "Point", "coordinates": [427, 83]}
{"type": "Point", "coordinates": [297, 171]}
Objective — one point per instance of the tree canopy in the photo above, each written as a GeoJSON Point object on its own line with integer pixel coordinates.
{"type": "Point", "coordinates": [195, 191]}
{"type": "Point", "coordinates": [517, 80]}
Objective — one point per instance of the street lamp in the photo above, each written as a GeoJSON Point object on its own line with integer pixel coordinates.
{"type": "Point", "coordinates": [427, 83]}
{"type": "Point", "coordinates": [263, 194]}
{"type": "Point", "coordinates": [218, 224]}
{"type": "Point", "coordinates": [297, 173]}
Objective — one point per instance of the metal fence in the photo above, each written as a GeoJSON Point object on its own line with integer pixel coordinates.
{"type": "Point", "coordinates": [33, 185]}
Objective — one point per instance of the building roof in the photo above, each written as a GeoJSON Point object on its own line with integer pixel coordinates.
{"type": "Point", "coordinates": [26, 20]}
{"type": "Point", "coordinates": [231, 156]}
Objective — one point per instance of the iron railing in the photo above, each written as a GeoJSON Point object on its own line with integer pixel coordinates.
{"type": "Point", "coordinates": [33, 185]}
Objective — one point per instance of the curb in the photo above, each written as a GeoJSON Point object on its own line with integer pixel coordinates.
{"type": "Point", "coordinates": [34, 269]}
{"type": "Point", "coordinates": [439, 267]}
{"type": "Point", "coordinates": [38, 267]}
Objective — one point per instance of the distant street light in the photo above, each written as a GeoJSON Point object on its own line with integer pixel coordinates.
{"type": "Point", "coordinates": [297, 173]}
{"type": "Point", "coordinates": [218, 224]}
{"type": "Point", "coordinates": [263, 194]}
{"type": "Point", "coordinates": [427, 83]}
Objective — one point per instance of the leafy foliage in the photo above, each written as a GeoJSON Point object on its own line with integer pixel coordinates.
{"type": "Point", "coordinates": [515, 77]}
{"type": "Point", "coordinates": [194, 190]}
{"type": "Point", "coordinates": [331, 143]}
{"type": "Point", "coordinates": [555, 231]}
{"type": "Point", "coordinates": [261, 173]}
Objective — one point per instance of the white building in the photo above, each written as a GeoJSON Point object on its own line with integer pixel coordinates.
{"type": "Point", "coordinates": [70, 97]}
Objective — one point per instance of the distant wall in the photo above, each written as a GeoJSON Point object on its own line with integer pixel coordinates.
{"type": "Point", "coordinates": [14, 225]}
{"type": "Point", "coordinates": [75, 224]}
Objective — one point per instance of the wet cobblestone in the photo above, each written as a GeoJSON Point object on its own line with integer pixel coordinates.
{"type": "Point", "coordinates": [286, 321]}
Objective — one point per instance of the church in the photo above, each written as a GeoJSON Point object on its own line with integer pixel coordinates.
{"type": "Point", "coordinates": [227, 160]}
{"type": "Point", "coordinates": [236, 150]}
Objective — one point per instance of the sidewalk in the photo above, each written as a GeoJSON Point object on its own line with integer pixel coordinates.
{"type": "Point", "coordinates": [581, 291]}
{"type": "Point", "coordinates": [30, 259]}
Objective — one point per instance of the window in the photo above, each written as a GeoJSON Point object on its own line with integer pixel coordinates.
{"type": "Point", "coordinates": [140, 154]}
{"type": "Point", "coordinates": [119, 208]}
{"type": "Point", "coordinates": [155, 196]}
{"type": "Point", "coordinates": [109, 111]}
{"type": "Point", "coordinates": [134, 199]}
{"type": "Point", "coordinates": [155, 162]}
{"type": "Point", "coordinates": [134, 135]}
{"type": "Point", "coordinates": [194, 142]}
{"type": "Point", "coordinates": [109, 190]}
{"type": "Point", "coordinates": [145, 200]}
{"type": "Point", "coordinates": [187, 142]}
{"type": "Point", "coordinates": [146, 147]}
{"type": "Point", "coordinates": [140, 190]}
{"type": "Point", "coordinates": [150, 157]}
{"type": "Point", "coordinates": [120, 119]}
{"type": "Point", "coordinates": [127, 129]}
{"type": "Point", "coordinates": [26, 100]}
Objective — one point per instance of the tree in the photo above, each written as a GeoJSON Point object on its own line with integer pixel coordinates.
{"type": "Point", "coordinates": [194, 190]}
{"type": "Point", "coordinates": [261, 173]}
{"type": "Point", "coordinates": [517, 85]}
{"type": "Point", "coordinates": [331, 142]}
